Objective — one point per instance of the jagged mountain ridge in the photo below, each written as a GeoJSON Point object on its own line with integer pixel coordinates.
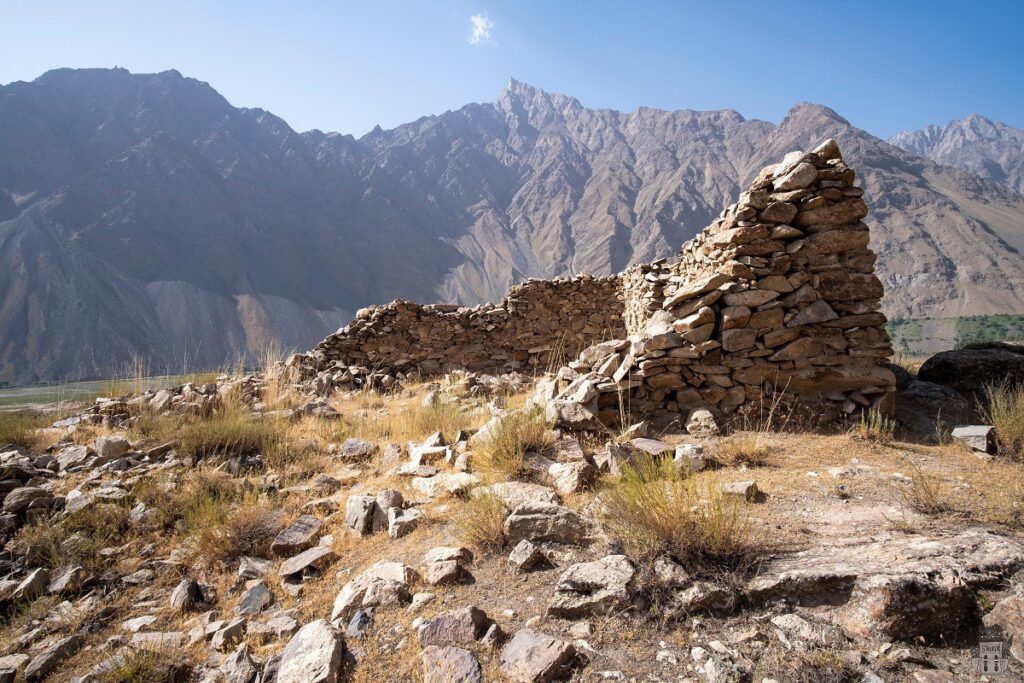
{"type": "Point", "coordinates": [144, 216]}
{"type": "Point", "coordinates": [986, 148]}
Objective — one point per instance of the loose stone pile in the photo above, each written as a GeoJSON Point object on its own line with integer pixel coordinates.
{"type": "Point", "coordinates": [777, 296]}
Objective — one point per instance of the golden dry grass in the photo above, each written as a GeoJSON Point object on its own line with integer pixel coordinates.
{"type": "Point", "coordinates": [655, 509]}
{"type": "Point", "coordinates": [18, 428]}
{"type": "Point", "coordinates": [501, 456]}
{"type": "Point", "coordinates": [76, 538]}
{"type": "Point", "coordinates": [479, 521]}
{"type": "Point", "coordinates": [749, 449]}
{"type": "Point", "coordinates": [1003, 407]}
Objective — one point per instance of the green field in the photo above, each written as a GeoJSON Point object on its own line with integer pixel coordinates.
{"type": "Point", "coordinates": [21, 397]}
{"type": "Point", "coordinates": [929, 335]}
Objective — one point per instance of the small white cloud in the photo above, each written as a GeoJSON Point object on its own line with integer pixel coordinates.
{"type": "Point", "coordinates": [481, 30]}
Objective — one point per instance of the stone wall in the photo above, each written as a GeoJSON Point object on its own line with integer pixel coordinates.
{"type": "Point", "coordinates": [777, 299]}
{"type": "Point", "coordinates": [538, 325]}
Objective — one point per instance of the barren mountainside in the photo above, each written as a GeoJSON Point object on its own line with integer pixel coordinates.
{"type": "Point", "coordinates": [142, 216]}
{"type": "Point", "coordinates": [985, 148]}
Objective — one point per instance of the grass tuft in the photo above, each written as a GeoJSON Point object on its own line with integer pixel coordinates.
{"type": "Point", "coordinates": [875, 427]}
{"type": "Point", "coordinates": [928, 493]}
{"type": "Point", "coordinates": [655, 509]}
{"type": "Point", "coordinates": [480, 521]}
{"type": "Point", "coordinates": [146, 666]}
{"type": "Point", "coordinates": [744, 448]}
{"type": "Point", "coordinates": [75, 539]}
{"type": "Point", "coordinates": [1003, 407]}
{"type": "Point", "coordinates": [19, 428]}
{"type": "Point", "coordinates": [502, 455]}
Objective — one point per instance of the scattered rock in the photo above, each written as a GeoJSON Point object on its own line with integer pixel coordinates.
{"type": "Point", "coordinates": [450, 665]}
{"type": "Point", "coordinates": [594, 588]}
{"type": "Point", "coordinates": [533, 657]}
{"type": "Point", "coordinates": [313, 655]}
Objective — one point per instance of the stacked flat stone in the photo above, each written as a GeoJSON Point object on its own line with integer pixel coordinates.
{"type": "Point", "coordinates": [539, 324]}
{"type": "Point", "coordinates": [777, 296]}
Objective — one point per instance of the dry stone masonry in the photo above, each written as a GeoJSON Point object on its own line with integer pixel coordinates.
{"type": "Point", "coordinates": [776, 299]}
{"type": "Point", "coordinates": [539, 324]}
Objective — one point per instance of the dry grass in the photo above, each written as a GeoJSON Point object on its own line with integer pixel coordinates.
{"type": "Point", "coordinates": [370, 416]}
{"type": "Point", "coordinates": [502, 456]}
{"type": "Point", "coordinates": [219, 517]}
{"type": "Point", "coordinates": [750, 449]}
{"type": "Point", "coordinates": [818, 665]}
{"type": "Point", "coordinates": [1003, 408]}
{"type": "Point", "coordinates": [653, 509]}
{"type": "Point", "coordinates": [875, 427]}
{"type": "Point", "coordinates": [75, 539]}
{"type": "Point", "coordinates": [228, 434]}
{"type": "Point", "coordinates": [18, 428]}
{"type": "Point", "coordinates": [147, 666]}
{"type": "Point", "coordinates": [928, 493]}
{"type": "Point", "coordinates": [480, 520]}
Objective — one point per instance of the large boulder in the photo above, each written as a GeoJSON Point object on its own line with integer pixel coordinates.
{"type": "Point", "coordinates": [546, 522]}
{"type": "Point", "coordinates": [921, 405]}
{"type": "Point", "coordinates": [594, 588]}
{"type": "Point", "coordinates": [533, 657]}
{"type": "Point", "coordinates": [969, 369]}
{"type": "Point", "coordinates": [313, 655]}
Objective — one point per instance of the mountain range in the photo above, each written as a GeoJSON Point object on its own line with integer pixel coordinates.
{"type": "Point", "coordinates": [142, 216]}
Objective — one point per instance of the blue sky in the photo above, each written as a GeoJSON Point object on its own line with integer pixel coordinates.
{"type": "Point", "coordinates": [346, 66]}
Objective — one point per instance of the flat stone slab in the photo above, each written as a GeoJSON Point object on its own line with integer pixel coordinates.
{"type": "Point", "coordinates": [828, 570]}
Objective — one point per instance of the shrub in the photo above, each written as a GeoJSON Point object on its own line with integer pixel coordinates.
{"type": "Point", "coordinates": [480, 521]}
{"type": "Point", "coordinates": [19, 428]}
{"type": "Point", "coordinates": [1003, 408]}
{"type": "Point", "coordinates": [654, 508]}
{"type": "Point", "coordinates": [874, 426]}
{"type": "Point", "coordinates": [230, 533]}
{"type": "Point", "coordinates": [502, 454]}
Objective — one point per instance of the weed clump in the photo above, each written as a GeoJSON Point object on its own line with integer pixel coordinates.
{"type": "Point", "coordinates": [655, 509]}
{"type": "Point", "coordinates": [875, 427]}
{"type": "Point", "coordinates": [18, 428]}
{"type": "Point", "coordinates": [1003, 407]}
{"type": "Point", "coordinates": [502, 453]}
{"type": "Point", "coordinates": [480, 521]}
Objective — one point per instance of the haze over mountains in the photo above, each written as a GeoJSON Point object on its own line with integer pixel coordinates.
{"type": "Point", "coordinates": [142, 216]}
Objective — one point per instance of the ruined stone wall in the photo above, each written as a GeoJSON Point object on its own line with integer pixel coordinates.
{"type": "Point", "coordinates": [777, 297]}
{"type": "Point", "coordinates": [539, 324]}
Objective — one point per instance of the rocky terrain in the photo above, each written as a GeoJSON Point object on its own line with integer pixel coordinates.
{"type": "Point", "coordinates": [250, 530]}
{"type": "Point", "coordinates": [144, 217]}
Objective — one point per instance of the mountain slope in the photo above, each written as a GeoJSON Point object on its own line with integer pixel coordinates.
{"type": "Point", "coordinates": [988, 149]}
{"type": "Point", "coordinates": [142, 216]}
